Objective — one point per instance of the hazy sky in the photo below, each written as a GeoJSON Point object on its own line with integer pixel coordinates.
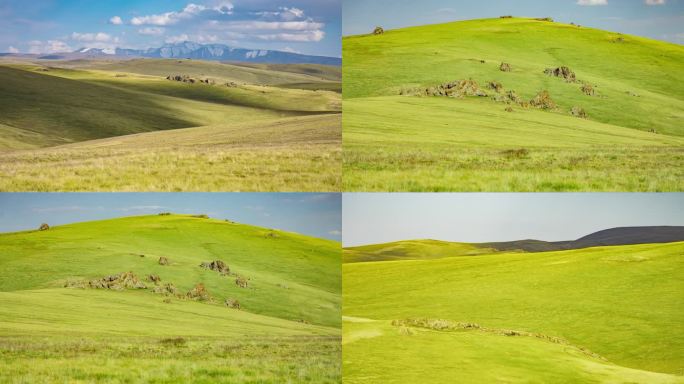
{"type": "Point", "coordinates": [369, 218]}
{"type": "Point", "coordinates": [47, 26]}
{"type": "Point", "coordinates": [657, 19]}
{"type": "Point", "coordinates": [313, 214]}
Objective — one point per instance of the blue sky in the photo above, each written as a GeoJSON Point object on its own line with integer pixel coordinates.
{"type": "Point", "coordinates": [657, 19]}
{"type": "Point", "coordinates": [370, 218]}
{"type": "Point", "coordinates": [313, 214]}
{"type": "Point", "coordinates": [48, 26]}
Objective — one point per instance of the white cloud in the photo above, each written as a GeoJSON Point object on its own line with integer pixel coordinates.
{"type": "Point", "coordinates": [308, 36]}
{"type": "Point", "coordinates": [93, 37]}
{"type": "Point", "coordinates": [655, 2]}
{"type": "Point", "coordinates": [592, 2]}
{"type": "Point", "coordinates": [116, 20]}
{"type": "Point", "coordinates": [177, 39]}
{"type": "Point", "coordinates": [11, 49]}
{"type": "Point", "coordinates": [190, 11]}
{"type": "Point", "coordinates": [50, 46]}
{"type": "Point", "coordinates": [154, 31]}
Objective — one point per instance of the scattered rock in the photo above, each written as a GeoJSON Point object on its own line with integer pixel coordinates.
{"type": "Point", "coordinates": [458, 89]}
{"type": "Point", "coordinates": [216, 265]}
{"type": "Point", "coordinates": [199, 292]}
{"type": "Point", "coordinates": [509, 109]}
{"type": "Point", "coordinates": [271, 235]}
{"type": "Point", "coordinates": [44, 227]}
{"type": "Point", "coordinates": [506, 17]}
{"type": "Point", "coordinates": [163, 261]}
{"type": "Point", "coordinates": [578, 112]}
{"type": "Point", "coordinates": [186, 79]}
{"type": "Point", "coordinates": [121, 281]}
{"type": "Point", "coordinates": [495, 85]}
{"type": "Point", "coordinates": [231, 84]}
{"type": "Point", "coordinates": [588, 89]}
{"type": "Point", "coordinates": [653, 130]}
{"type": "Point", "coordinates": [482, 61]}
{"type": "Point", "coordinates": [241, 282]}
{"type": "Point", "coordinates": [505, 67]}
{"type": "Point", "coordinates": [167, 289]}
{"type": "Point", "coordinates": [543, 101]}
{"type": "Point", "coordinates": [200, 216]}
{"type": "Point", "coordinates": [632, 94]}
{"type": "Point", "coordinates": [378, 31]}
{"type": "Point", "coordinates": [232, 303]}
{"type": "Point", "coordinates": [563, 72]}
{"type": "Point", "coordinates": [154, 278]}
{"type": "Point", "coordinates": [167, 301]}
{"type": "Point", "coordinates": [508, 98]}
{"type": "Point", "coordinates": [544, 19]}
{"type": "Point", "coordinates": [164, 213]}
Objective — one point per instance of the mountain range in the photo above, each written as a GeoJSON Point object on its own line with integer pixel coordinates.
{"type": "Point", "coordinates": [191, 50]}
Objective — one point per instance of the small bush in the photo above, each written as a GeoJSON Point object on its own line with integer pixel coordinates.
{"type": "Point", "coordinates": [174, 341]}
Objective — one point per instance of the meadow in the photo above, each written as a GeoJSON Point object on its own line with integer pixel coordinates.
{"type": "Point", "coordinates": [286, 329]}
{"type": "Point", "coordinates": [270, 133]}
{"type": "Point", "coordinates": [396, 139]}
{"type": "Point", "coordinates": [594, 315]}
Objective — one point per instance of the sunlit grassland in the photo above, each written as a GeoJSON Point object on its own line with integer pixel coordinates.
{"type": "Point", "coordinates": [293, 154]}
{"type": "Point", "coordinates": [287, 329]}
{"type": "Point", "coordinates": [413, 143]}
{"type": "Point", "coordinates": [596, 315]}
{"type": "Point", "coordinates": [75, 128]}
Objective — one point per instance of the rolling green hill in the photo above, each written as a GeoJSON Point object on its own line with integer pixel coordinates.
{"type": "Point", "coordinates": [265, 138]}
{"type": "Point", "coordinates": [291, 304]}
{"type": "Point", "coordinates": [411, 250]}
{"type": "Point", "coordinates": [398, 139]}
{"type": "Point", "coordinates": [595, 315]}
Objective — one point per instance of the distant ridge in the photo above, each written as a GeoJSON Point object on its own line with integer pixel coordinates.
{"type": "Point", "coordinates": [435, 249]}
{"type": "Point", "coordinates": [607, 237]}
{"type": "Point", "coordinates": [191, 50]}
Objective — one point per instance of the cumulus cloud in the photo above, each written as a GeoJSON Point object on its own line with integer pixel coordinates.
{"type": "Point", "coordinates": [592, 2]}
{"type": "Point", "coordinates": [154, 31]}
{"type": "Point", "coordinates": [93, 37]}
{"type": "Point", "coordinates": [116, 20]}
{"type": "Point", "coordinates": [177, 39]}
{"type": "Point", "coordinates": [11, 49]}
{"type": "Point", "coordinates": [220, 22]}
{"type": "Point", "coordinates": [655, 2]}
{"type": "Point", "coordinates": [189, 12]}
{"type": "Point", "coordinates": [50, 46]}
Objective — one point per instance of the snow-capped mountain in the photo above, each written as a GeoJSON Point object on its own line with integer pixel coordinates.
{"type": "Point", "coordinates": [220, 52]}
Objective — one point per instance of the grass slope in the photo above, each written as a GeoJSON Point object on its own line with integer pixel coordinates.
{"type": "Point", "coordinates": [411, 250]}
{"type": "Point", "coordinates": [431, 143]}
{"type": "Point", "coordinates": [292, 303]}
{"type": "Point", "coordinates": [248, 137]}
{"type": "Point", "coordinates": [605, 314]}
{"type": "Point", "coordinates": [285, 154]}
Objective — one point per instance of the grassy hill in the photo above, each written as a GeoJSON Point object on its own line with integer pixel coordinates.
{"type": "Point", "coordinates": [283, 154]}
{"type": "Point", "coordinates": [413, 143]}
{"type": "Point", "coordinates": [595, 315]}
{"type": "Point", "coordinates": [290, 307]}
{"type": "Point", "coordinates": [290, 127]}
{"type": "Point", "coordinates": [411, 250]}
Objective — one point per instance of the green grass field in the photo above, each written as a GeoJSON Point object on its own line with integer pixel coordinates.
{"type": "Point", "coordinates": [287, 330]}
{"type": "Point", "coordinates": [396, 142]}
{"type": "Point", "coordinates": [273, 129]}
{"type": "Point", "coordinates": [595, 315]}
